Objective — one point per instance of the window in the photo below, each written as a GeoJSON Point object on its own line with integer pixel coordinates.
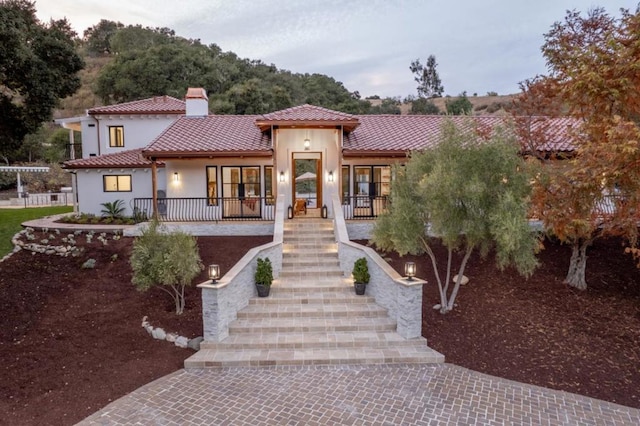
{"type": "Point", "coordinates": [240, 182]}
{"type": "Point", "coordinates": [268, 185]}
{"type": "Point", "coordinates": [212, 185]}
{"type": "Point", "coordinates": [116, 136]}
{"type": "Point", "coordinates": [117, 183]}
{"type": "Point", "coordinates": [373, 181]}
{"type": "Point", "coordinates": [346, 183]}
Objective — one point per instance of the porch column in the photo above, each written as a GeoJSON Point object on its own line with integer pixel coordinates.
{"type": "Point", "coordinates": [154, 186]}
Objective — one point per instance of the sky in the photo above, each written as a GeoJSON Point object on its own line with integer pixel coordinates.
{"type": "Point", "coordinates": [368, 45]}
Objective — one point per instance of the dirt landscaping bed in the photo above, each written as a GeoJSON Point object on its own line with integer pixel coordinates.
{"type": "Point", "coordinates": [71, 339]}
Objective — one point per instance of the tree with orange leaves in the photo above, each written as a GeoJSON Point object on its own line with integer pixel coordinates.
{"type": "Point", "coordinates": [594, 75]}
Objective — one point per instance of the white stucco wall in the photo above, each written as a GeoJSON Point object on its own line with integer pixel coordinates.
{"type": "Point", "coordinates": [139, 131]}
{"type": "Point", "coordinates": [91, 192]}
{"type": "Point", "coordinates": [192, 174]}
{"type": "Point", "coordinates": [324, 141]}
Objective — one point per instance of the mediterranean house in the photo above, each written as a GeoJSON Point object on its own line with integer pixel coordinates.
{"type": "Point", "coordinates": [256, 175]}
{"type": "Point", "coordinates": [171, 158]}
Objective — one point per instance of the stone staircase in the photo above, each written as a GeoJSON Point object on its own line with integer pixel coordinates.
{"type": "Point", "coordinates": [312, 315]}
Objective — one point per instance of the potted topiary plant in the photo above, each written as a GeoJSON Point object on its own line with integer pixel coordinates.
{"type": "Point", "coordinates": [360, 275]}
{"type": "Point", "coordinates": [263, 276]}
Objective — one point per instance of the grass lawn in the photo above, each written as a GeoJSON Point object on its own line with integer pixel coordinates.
{"type": "Point", "coordinates": [11, 220]}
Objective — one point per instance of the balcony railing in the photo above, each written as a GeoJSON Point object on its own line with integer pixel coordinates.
{"type": "Point", "coordinates": [364, 207]}
{"type": "Point", "coordinates": [205, 209]}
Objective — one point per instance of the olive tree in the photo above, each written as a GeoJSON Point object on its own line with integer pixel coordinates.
{"type": "Point", "coordinates": [470, 191]}
{"type": "Point", "coordinates": [169, 260]}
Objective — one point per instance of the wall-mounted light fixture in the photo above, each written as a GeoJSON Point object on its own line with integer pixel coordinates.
{"type": "Point", "coordinates": [410, 270]}
{"type": "Point", "coordinates": [176, 177]}
{"type": "Point", "coordinates": [214, 273]}
{"type": "Point", "coordinates": [331, 176]}
{"type": "Point", "coordinates": [282, 177]}
{"type": "Point", "coordinates": [307, 144]}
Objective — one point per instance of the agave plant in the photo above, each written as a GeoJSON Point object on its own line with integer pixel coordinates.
{"type": "Point", "coordinates": [113, 209]}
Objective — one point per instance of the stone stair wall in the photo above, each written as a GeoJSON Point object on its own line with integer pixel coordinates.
{"type": "Point", "coordinates": [312, 315]}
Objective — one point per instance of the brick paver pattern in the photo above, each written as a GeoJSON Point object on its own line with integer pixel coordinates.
{"type": "Point", "coordinates": [441, 394]}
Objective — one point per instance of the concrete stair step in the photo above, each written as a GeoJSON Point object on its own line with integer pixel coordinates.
{"type": "Point", "coordinates": [305, 325]}
{"type": "Point", "coordinates": [307, 286]}
{"type": "Point", "coordinates": [310, 273]}
{"type": "Point", "coordinates": [212, 358]}
{"type": "Point", "coordinates": [314, 310]}
{"type": "Point", "coordinates": [311, 297]}
{"type": "Point", "coordinates": [309, 254]}
{"type": "Point", "coordinates": [357, 339]}
{"type": "Point", "coordinates": [303, 262]}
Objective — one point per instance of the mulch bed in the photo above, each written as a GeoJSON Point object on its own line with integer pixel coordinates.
{"type": "Point", "coordinates": [71, 339]}
{"type": "Point", "coordinates": [539, 330]}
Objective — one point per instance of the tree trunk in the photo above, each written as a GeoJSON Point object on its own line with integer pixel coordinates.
{"type": "Point", "coordinates": [576, 277]}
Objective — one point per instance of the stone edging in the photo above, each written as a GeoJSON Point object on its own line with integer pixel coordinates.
{"type": "Point", "coordinates": [180, 341]}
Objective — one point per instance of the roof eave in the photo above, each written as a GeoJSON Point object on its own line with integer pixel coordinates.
{"type": "Point", "coordinates": [354, 153]}
{"type": "Point", "coordinates": [348, 125]}
{"type": "Point", "coordinates": [204, 154]}
{"type": "Point", "coordinates": [170, 112]}
{"type": "Point", "coordinates": [108, 166]}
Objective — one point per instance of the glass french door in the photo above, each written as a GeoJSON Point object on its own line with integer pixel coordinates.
{"type": "Point", "coordinates": [372, 186]}
{"type": "Point", "coordinates": [241, 191]}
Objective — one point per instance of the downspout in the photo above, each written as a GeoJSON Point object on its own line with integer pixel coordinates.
{"type": "Point", "coordinates": [74, 190]}
{"type": "Point", "coordinates": [98, 129]}
{"type": "Point", "coordinates": [154, 187]}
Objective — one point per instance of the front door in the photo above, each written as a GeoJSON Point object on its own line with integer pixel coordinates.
{"type": "Point", "coordinates": [307, 182]}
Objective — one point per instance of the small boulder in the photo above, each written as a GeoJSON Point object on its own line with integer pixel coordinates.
{"type": "Point", "coordinates": [159, 334]}
{"type": "Point", "coordinates": [463, 281]}
{"type": "Point", "coordinates": [195, 343]}
{"type": "Point", "coordinates": [181, 342]}
{"type": "Point", "coordinates": [149, 329]}
{"type": "Point", "coordinates": [438, 306]}
{"type": "Point", "coordinates": [171, 337]}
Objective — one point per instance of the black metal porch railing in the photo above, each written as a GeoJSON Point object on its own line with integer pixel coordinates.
{"type": "Point", "coordinates": [364, 207]}
{"type": "Point", "coordinates": [205, 209]}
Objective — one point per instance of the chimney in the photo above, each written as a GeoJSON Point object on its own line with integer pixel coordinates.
{"type": "Point", "coordinates": [197, 102]}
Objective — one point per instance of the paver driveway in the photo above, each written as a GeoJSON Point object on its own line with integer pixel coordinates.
{"type": "Point", "coordinates": [353, 395]}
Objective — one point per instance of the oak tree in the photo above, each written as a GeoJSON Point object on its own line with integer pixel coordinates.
{"type": "Point", "coordinates": [38, 66]}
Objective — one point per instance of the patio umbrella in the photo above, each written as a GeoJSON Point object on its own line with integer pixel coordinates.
{"type": "Point", "coordinates": [306, 176]}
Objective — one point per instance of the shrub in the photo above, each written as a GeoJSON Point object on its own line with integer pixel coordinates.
{"type": "Point", "coordinates": [264, 272]}
{"type": "Point", "coordinates": [167, 260]}
{"type": "Point", "coordinates": [361, 271]}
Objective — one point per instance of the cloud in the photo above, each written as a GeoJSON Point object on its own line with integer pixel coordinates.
{"type": "Point", "coordinates": [366, 44]}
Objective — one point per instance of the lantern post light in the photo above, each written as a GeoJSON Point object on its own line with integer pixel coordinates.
{"type": "Point", "coordinates": [214, 273]}
{"type": "Point", "coordinates": [410, 270]}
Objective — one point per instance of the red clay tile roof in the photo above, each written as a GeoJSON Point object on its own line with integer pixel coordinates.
{"type": "Point", "coordinates": [155, 105]}
{"type": "Point", "coordinates": [397, 134]}
{"type": "Point", "coordinates": [307, 115]}
{"type": "Point", "coordinates": [126, 159]}
{"type": "Point", "coordinates": [211, 135]}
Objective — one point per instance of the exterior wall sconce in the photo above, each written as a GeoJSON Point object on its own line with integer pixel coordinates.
{"type": "Point", "coordinates": [331, 176]}
{"type": "Point", "coordinates": [281, 177]}
{"type": "Point", "coordinates": [410, 270]}
{"type": "Point", "coordinates": [214, 273]}
{"type": "Point", "coordinates": [307, 144]}
{"type": "Point", "coordinates": [176, 177]}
